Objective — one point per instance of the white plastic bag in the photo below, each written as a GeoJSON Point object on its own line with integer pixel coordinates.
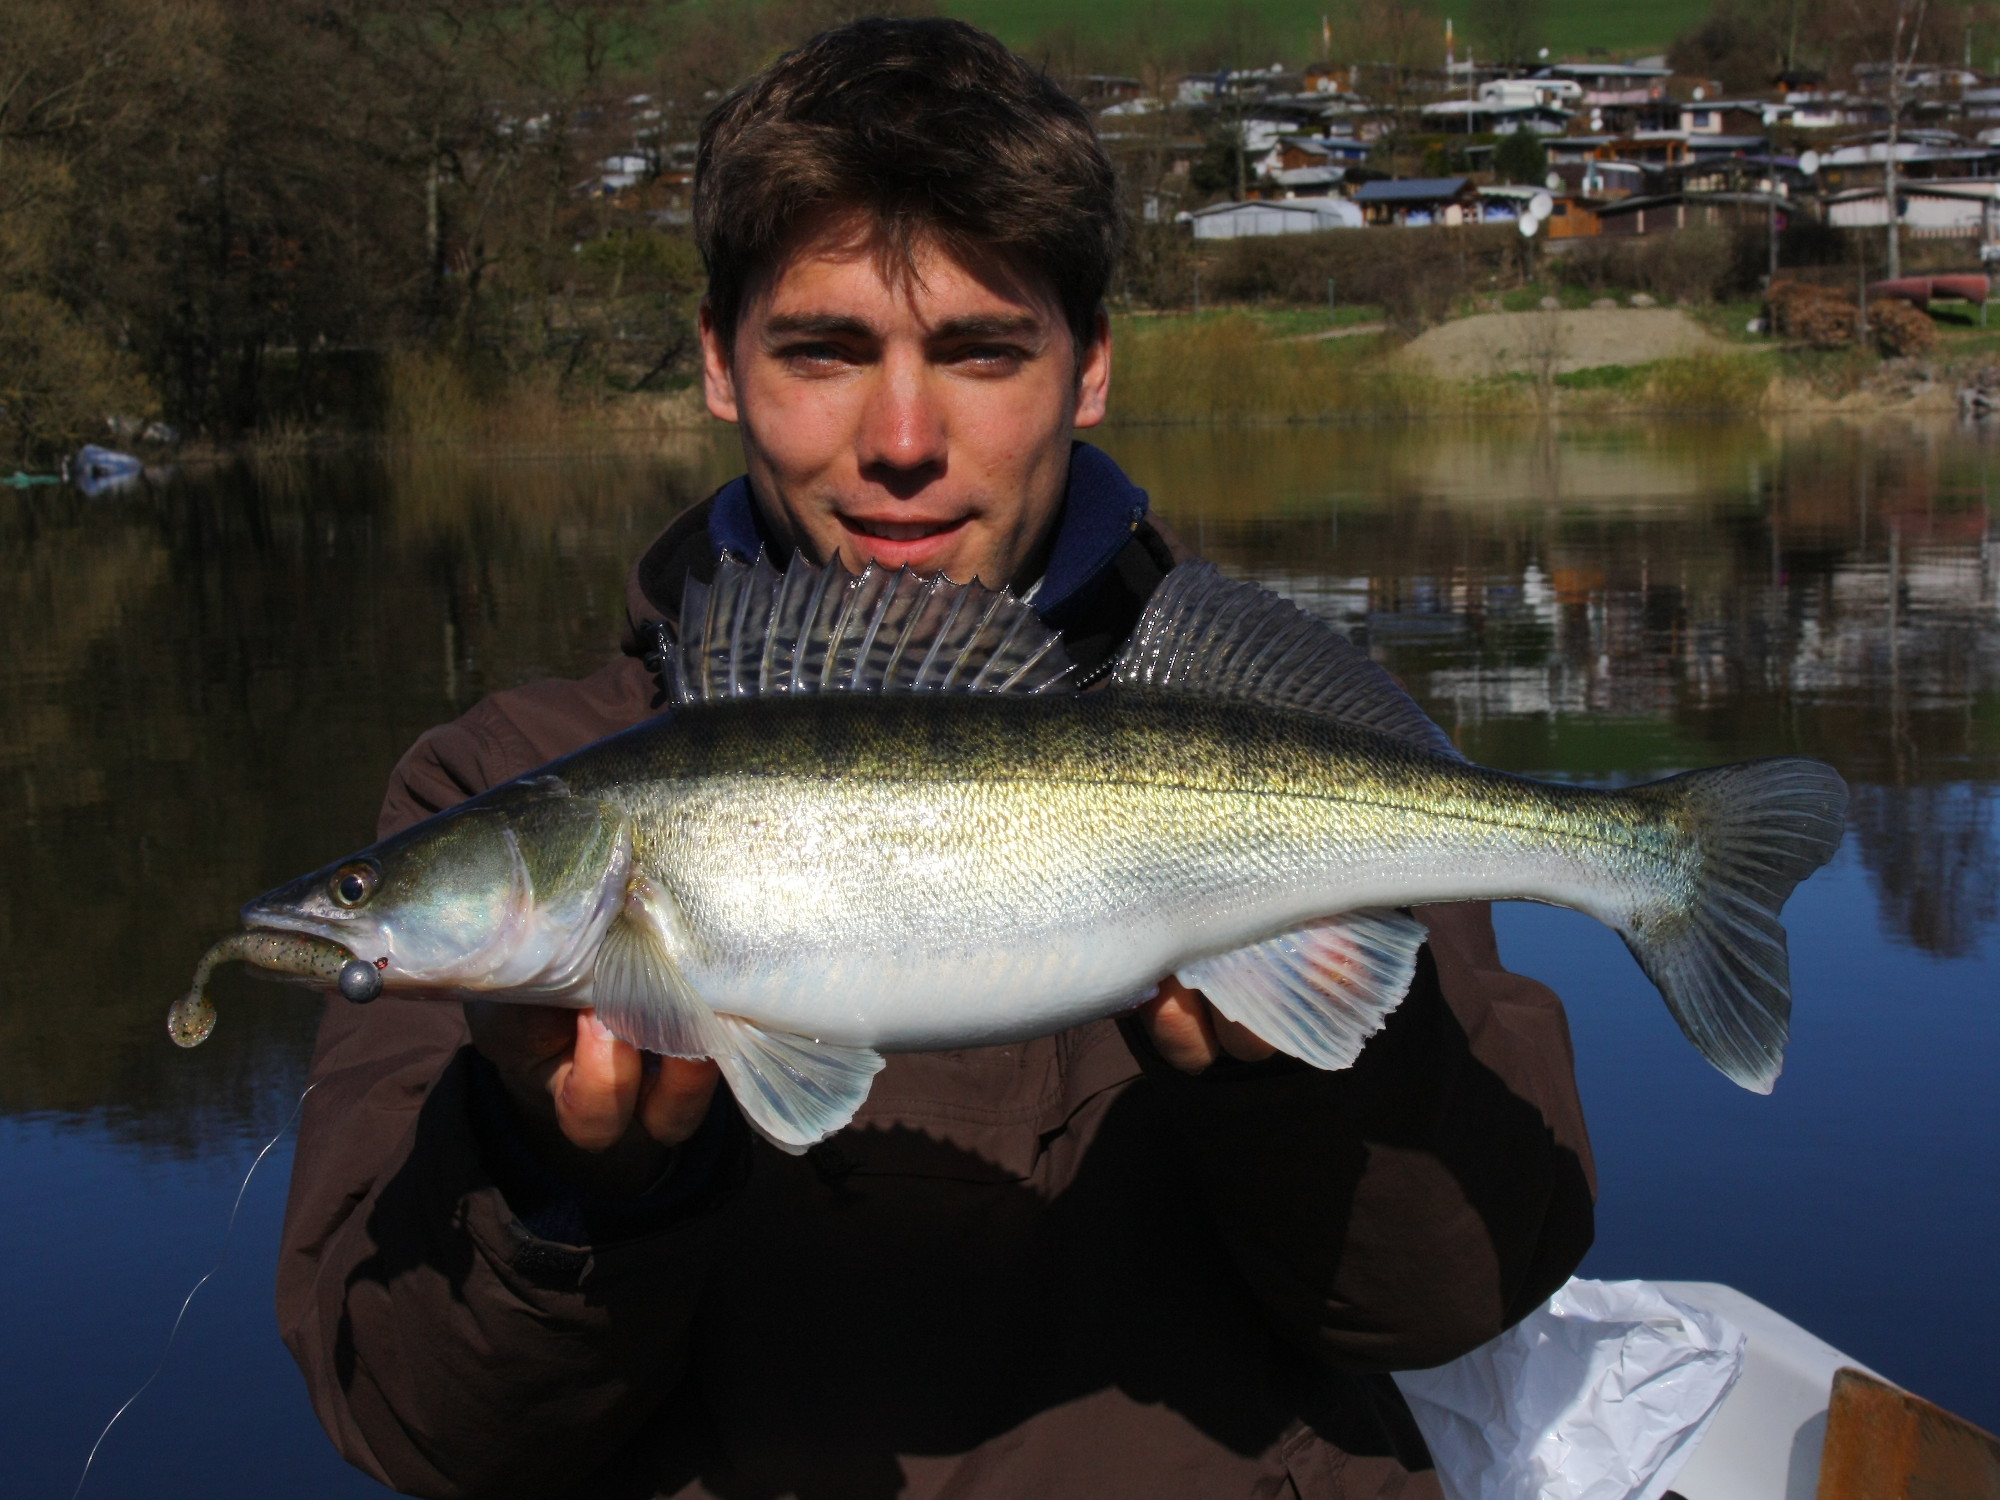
{"type": "Point", "coordinates": [1600, 1394]}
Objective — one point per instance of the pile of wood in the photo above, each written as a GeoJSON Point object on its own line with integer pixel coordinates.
{"type": "Point", "coordinates": [1827, 318]}
{"type": "Point", "coordinates": [1816, 315]}
{"type": "Point", "coordinates": [1901, 331]}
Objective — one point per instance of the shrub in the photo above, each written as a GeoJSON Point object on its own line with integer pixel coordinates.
{"type": "Point", "coordinates": [430, 396]}
{"type": "Point", "coordinates": [1157, 269]}
{"type": "Point", "coordinates": [1696, 264]}
{"type": "Point", "coordinates": [1815, 315]}
{"type": "Point", "coordinates": [644, 260]}
{"type": "Point", "coordinates": [59, 380]}
{"type": "Point", "coordinates": [1520, 157]}
{"type": "Point", "coordinates": [1900, 331]}
{"type": "Point", "coordinates": [1414, 275]}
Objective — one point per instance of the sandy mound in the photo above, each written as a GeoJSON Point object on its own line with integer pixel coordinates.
{"type": "Point", "coordinates": [1507, 343]}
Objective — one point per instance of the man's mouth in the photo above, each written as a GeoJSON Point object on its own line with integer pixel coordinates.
{"type": "Point", "coordinates": [927, 546]}
{"type": "Point", "coordinates": [901, 531]}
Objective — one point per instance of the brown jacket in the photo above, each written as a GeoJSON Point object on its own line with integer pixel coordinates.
{"type": "Point", "coordinates": [1054, 1269]}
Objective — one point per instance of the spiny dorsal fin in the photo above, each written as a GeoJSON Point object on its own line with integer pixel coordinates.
{"type": "Point", "coordinates": [754, 630]}
{"type": "Point", "coordinates": [1204, 633]}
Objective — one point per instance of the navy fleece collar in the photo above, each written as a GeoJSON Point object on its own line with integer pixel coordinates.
{"type": "Point", "coordinates": [1101, 510]}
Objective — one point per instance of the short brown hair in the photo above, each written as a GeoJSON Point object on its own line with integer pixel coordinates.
{"type": "Point", "coordinates": [931, 129]}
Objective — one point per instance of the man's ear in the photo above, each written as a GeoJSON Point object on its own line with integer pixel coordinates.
{"type": "Point", "coordinates": [718, 378]}
{"type": "Point", "coordinates": [1093, 373]}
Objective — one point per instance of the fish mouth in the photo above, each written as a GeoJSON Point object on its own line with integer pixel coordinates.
{"type": "Point", "coordinates": [262, 919]}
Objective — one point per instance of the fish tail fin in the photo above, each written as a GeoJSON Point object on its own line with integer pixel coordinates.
{"type": "Point", "coordinates": [1757, 829]}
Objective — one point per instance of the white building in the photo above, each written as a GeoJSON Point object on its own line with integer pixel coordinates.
{"type": "Point", "coordinates": [1479, 117]}
{"type": "Point", "coordinates": [1236, 221]}
{"type": "Point", "coordinates": [1511, 92]}
{"type": "Point", "coordinates": [1943, 208]}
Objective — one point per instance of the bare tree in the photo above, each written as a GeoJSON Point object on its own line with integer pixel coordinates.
{"type": "Point", "coordinates": [1390, 42]}
{"type": "Point", "coordinates": [1510, 31]}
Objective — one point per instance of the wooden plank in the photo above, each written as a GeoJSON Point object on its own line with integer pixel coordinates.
{"type": "Point", "coordinates": [1885, 1444]}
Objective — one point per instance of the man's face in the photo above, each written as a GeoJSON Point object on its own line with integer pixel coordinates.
{"type": "Point", "coordinates": [919, 421]}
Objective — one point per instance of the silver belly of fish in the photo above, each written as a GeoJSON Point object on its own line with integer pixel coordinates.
{"type": "Point", "coordinates": [915, 917]}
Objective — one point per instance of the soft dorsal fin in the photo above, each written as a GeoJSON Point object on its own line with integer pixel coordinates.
{"type": "Point", "coordinates": [1212, 635]}
{"type": "Point", "coordinates": [754, 630]}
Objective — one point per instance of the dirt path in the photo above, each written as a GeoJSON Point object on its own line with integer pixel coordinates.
{"type": "Point", "coordinates": [1335, 333]}
{"type": "Point", "coordinates": [1506, 343]}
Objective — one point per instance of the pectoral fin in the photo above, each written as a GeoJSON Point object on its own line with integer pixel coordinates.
{"type": "Point", "coordinates": [1318, 993]}
{"type": "Point", "coordinates": [638, 989]}
{"type": "Point", "coordinates": [793, 1090]}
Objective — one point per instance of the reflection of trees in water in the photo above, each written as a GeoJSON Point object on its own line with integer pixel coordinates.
{"type": "Point", "coordinates": [204, 693]}
{"type": "Point", "coordinates": [1930, 854]}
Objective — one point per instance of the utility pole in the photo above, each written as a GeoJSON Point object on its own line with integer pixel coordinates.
{"type": "Point", "coordinates": [1909, 19]}
{"type": "Point", "coordinates": [1771, 214]}
{"type": "Point", "coordinates": [1242, 145]}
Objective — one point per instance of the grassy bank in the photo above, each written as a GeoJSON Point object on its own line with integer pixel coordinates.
{"type": "Point", "coordinates": [1244, 366]}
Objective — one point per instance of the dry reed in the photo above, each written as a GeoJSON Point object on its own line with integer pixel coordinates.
{"type": "Point", "coordinates": [432, 397]}
{"type": "Point", "coordinates": [1709, 384]}
{"type": "Point", "coordinates": [1227, 369]}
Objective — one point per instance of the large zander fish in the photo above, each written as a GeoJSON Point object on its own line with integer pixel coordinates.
{"type": "Point", "coordinates": [881, 818]}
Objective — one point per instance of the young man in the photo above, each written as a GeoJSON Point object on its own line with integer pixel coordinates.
{"type": "Point", "coordinates": [1146, 1258]}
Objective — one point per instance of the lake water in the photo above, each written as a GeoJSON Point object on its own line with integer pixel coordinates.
{"type": "Point", "coordinates": [205, 686]}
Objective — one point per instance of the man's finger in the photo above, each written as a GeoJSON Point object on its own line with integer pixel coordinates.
{"type": "Point", "coordinates": [675, 1100]}
{"type": "Point", "coordinates": [596, 1089]}
{"type": "Point", "coordinates": [1177, 1021]}
{"type": "Point", "coordinates": [1238, 1040]}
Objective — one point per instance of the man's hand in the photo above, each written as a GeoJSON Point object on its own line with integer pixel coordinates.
{"type": "Point", "coordinates": [1190, 1033]}
{"type": "Point", "coordinates": [589, 1101]}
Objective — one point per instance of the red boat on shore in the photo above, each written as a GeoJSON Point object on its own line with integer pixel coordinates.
{"type": "Point", "coordinates": [1921, 291]}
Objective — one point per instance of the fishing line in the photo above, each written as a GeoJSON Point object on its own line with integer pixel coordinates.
{"type": "Point", "coordinates": [188, 1301]}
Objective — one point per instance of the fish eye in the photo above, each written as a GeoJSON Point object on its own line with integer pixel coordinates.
{"type": "Point", "coordinates": [353, 884]}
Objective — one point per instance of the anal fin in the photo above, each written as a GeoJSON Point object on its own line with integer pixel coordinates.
{"type": "Point", "coordinates": [1318, 993]}
{"type": "Point", "coordinates": [793, 1090]}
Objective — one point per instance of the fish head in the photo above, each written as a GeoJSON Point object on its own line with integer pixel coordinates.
{"type": "Point", "coordinates": [501, 892]}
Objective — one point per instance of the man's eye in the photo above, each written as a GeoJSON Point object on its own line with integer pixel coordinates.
{"type": "Point", "coordinates": [990, 356]}
{"type": "Point", "coordinates": [814, 354]}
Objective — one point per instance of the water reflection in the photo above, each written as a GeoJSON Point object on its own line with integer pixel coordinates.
{"type": "Point", "coordinates": [204, 690]}
{"type": "Point", "coordinates": [1646, 600]}
{"type": "Point", "coordinates": [205, 687]}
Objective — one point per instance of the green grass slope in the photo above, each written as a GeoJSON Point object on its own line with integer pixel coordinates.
{"type": "Point", "coordinates": [1290, 29]}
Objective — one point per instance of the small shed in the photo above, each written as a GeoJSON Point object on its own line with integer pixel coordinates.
{"type": "Point", "coordinates": [1569, 217]}
{"type": "Point", "coordinates": [1297, 152]}
{"type": "Point", "coordinates": [1664, 211]}
{"type": "Point", "coordinates": [1237, 221]}
{"type": "Point", "coordinates": [1310, 182]}
{"type": "Point", "coordinates": [1723, 117]}
{"type": "Point", "coordinates": [1419, 200]}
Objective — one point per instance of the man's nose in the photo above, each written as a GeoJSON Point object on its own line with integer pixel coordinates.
{"type": "Point", "coordinates": [904, 436]}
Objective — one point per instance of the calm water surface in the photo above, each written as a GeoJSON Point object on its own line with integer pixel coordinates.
{"type": "Point", "coordinates": [205, 686]}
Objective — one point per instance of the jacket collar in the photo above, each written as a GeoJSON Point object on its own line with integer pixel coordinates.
{"type": "Point", "coordinates": [1101, 509]}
